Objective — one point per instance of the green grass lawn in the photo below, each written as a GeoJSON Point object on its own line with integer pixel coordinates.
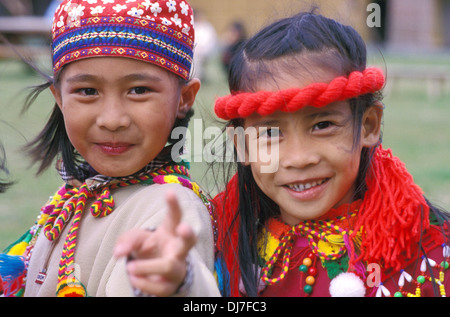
{"type": "Point", "coordinates": [415, 126]}
{"type": "Point", "coordinates": [417, 130]}
{"type": "Point", "coordinates": [19, 206]}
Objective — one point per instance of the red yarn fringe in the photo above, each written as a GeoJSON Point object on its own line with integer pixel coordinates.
{"type": "Point", "coordinates": [393, 215]}
{"type": "Point", "coordinates": [226, 207]}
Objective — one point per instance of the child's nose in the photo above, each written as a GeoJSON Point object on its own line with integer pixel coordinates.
{"type": "Point", "coordinates": [299, 154]}
{"type": "Point", "coordinates": [113, 115]}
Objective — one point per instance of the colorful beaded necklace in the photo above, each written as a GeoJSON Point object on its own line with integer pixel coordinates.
{"type": "Point", "coordinates": [424, 277]}
{"type": "Point", "coordinates": [327, 240]}
{"type": "Point", "coordinates": [327, 245]}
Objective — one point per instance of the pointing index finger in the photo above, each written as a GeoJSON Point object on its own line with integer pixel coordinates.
{"type": "Point", "coordinates": [182, 232]}
{"type": "Point", "coordinates": [173, 217]}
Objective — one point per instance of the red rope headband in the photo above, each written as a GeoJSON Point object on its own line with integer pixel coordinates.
{"type": "Point", "coordinates": [318, 95]}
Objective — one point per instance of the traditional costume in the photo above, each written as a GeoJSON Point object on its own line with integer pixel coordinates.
{"type": "Point", "coordinates": [386, 244]}
{"type": "Point", "coordinates": [69, 250]}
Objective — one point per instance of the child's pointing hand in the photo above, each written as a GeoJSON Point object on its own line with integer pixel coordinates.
{"type": "Point", "coordinates": [157, 259]}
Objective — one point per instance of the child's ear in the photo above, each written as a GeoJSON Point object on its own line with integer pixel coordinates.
{"type": "Point", "coordinates": [371, 125]}
{"type": "Point", "coordinates": [57, 95]}
{"type": "Point", "coordinates": [188, 94]}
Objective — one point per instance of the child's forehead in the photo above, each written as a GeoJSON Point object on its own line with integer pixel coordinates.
{"type": "Point", "coordinates": [113, 64]}
{"type": "Point", "coordinates": [114, 69]}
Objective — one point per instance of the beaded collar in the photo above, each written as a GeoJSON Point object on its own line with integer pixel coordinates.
{"type": "Point", "coordinates": [327, 237]}
{"type": "Point", "coordinates": [327, 241]}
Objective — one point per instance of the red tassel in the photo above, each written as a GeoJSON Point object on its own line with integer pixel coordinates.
{"type": "Point", "coordinates": [226, 206]}
{"type": "Point", "coordinates": [393, 213]}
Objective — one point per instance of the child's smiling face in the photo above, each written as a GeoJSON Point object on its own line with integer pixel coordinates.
{"type": "Point", "coordinates": [119, 112]}
{"type": "Point", "coordinates": [318, 161]}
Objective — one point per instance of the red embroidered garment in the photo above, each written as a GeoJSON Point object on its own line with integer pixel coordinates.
{"type": "Point", "coordinates": [395, 222]}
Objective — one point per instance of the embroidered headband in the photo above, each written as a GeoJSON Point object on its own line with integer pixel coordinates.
{"type": "Point", "coordinates": [159, 32]}
{"type": "Point", "coordinates": [242, 105]}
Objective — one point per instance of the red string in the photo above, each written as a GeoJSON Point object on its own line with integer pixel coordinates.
{"type": "Point", "coordinates": [393, 213]}
{"type": "Point", "coordinates": [242, 105]}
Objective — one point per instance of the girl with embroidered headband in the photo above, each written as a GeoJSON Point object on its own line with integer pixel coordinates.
{"type": "Point", "coordinates": [339, 215]}
{"type": "Point", "coordinates": [121, 84]}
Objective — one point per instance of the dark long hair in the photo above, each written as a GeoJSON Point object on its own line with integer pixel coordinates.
{"type": "Point", "coordinates": [298, 43]}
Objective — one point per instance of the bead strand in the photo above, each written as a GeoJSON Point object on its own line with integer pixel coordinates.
{"type": "Point", "coordinates": [423, 277]}
{"type": "Point", "coordinates": [321, 230]}
{"type": "Point", "coordinates": [308, 267]}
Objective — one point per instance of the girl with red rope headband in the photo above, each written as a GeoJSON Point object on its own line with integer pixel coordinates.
{"type": "Point", "coordinates": [340, 215]}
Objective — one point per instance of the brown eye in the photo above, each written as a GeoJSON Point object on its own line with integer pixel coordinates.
{"type": "Point", "coordinates": [273, 133]}
{"type": "Point", "coordinates": [269, 133]}
{"type": "Point", "coordinates": [139, 90]}
{"type": "Point", "coordinates": [322, 125]}
{"type": "Point", "coordinates": [88, 91]}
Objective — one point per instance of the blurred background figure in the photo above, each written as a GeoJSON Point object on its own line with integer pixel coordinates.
{"type": "Point", "coordinates": [25, 24]}
{"type": "Point", "coordinates": [233, 37]}
{"type": "Point", "coordinates": [206, 43]}
{"type": "Point", "coordinates": [51, 8]}
{"type": "Point", "coordinates": [24, 7]}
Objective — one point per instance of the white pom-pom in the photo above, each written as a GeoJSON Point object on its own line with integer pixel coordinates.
{"type": "Point", "coordinates": [347, 285]}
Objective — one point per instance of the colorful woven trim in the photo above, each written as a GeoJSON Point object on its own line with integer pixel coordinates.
{"type": "Point", "coordinates": [160, 32]}
{"type": "Point", "coordinates": [242, 105]}
{"type": "Point", "coordinates": [327, 240]}
{"type": "Point", "coordinates": [55, 216]}
{"type": "Point", "coordinates": [14, 261]}
{"type": "Point", "coordinates": [124, 37]}
{"type": "Point", "coordinates": [73, 202]}
{"type": "Point", "coordinates": [12, 275]}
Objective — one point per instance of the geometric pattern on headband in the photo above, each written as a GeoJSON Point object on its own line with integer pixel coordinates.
{"type": "Point", "coordinates": [159, 32]}
{"type": "Point", "coordinates": [242, 105]}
